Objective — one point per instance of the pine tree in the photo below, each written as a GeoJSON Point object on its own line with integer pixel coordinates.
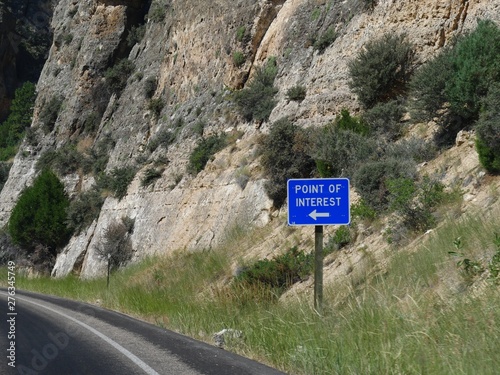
{"type": "Point", "coordinates": [40, 213]}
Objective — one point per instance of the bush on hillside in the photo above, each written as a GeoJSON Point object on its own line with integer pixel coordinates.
{"type": "Point", "coordinates": [428, 86]}
{"type": "Point", "coordinates": [117, 75]}
{"type": "Point", "coordinates": [325, 40]}
{"type": "Point", "coordinates": [459, 77]}
{"type": "Point", "coordinates": [39, 215]}
{"type": "Point", "coordinates": [488, 131]}
{"type": "Point", "coordinates": [296, 93]}
{"type": "Point", "coordinates": [204, 151]}
{"type": "Point", "coordinates": [117, 181]}
{"type": "Point", "coordinates": [238, 58]}
{"type": "Point", "coordinates": [476, 66]}
{"type": "Point", "coordinates": [280, 272]}
{"type": "Point", "coordinates": [415, 201]}
{"type": "Point", "coordinates": [371, 180]}
{"type": "Point", "coordinates": [4, 173]}
{"type": "Point", "coordinates": [347, 122]}
{"type": "Point", "coordinates": [339, 152]}
{"type": "Point", "coordinates": [380, 72]}
{"type": "Point", "coordinates": [83, 210]}
{"type": "Point", "coordinates": [163, 138]}
{"type": "Point", "coordinates": [50, 113]}
{"type": "Point", "coordinates": [64, 161]}
{"type": "Point", "coordinates": [284, 156]}
{"type": "Point", "coordinates": [256, 101]}
{"type": "Point", "coordinates": [21, 111]}
{"type": "Point", "coordinates": [413, 148]}
{"type": "Point", "coordinates": [384, 119]}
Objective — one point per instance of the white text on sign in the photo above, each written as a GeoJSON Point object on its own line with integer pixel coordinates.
{"type": "Point", "coordinates": [317, 189]}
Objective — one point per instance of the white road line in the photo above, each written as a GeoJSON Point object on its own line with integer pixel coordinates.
{"type": "Point", "coordinates": [148, 370]}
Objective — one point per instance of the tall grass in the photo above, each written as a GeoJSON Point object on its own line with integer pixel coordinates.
{"type": "Point", "coordinates": [416, 316]}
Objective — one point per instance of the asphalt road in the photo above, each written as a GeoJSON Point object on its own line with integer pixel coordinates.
{"type": "Point", "coordinates": [54, 336]}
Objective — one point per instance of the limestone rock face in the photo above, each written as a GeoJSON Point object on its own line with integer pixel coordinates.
{"type": "Point", "coordinates": [180, 53]}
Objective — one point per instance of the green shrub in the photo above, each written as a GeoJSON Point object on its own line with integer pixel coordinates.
{"type": "Point", "coordinates": [413, 148]}
{"type": "Point", "coordinates": [39, 215]}
{"type": "Point", "coordinates": [280, 272]}
{"type": "Point", "coordinates": [347, 122]}
{"type": "Point", "coordinates": [494, 263]}
{"type": "Point", "coordinates": [256, 101]}
{"type": "Point", "coordinates": [117, 181]}
{"type": "Point", "coordinates": [83, 210]}
{"type": "Point", "coordinates": [488, 157]}
{"type": "Point", "coordinates": [98, 157]}
{"type": "Point", "coordinates": [117, 75]}
{"type": "Point", "coordinates": [150, 176]}
{"type": "Point", "coordinates": [470, 269]}
{"type": "Point", "coordinates": [370, 4]}
{"type": "Point", "coordinates": [4, 173]}
{"type": "Point", "coordinates": [384, 119]}
{"type": "Point", "coordinates": [380, 72]}
{"type": "Point", "coordinates": [241, 33]}
{"type": "Point", "coordinates": [488, 131]}
{"type": "Point", "coordinates": [156, 106]}
{"type": "Point", "coordinates": [460, 76]}
{"type": "Point", "coordinates": [163, 138]}
{"type": "Point", "coordinates": [363, 211]}
{"type": "Point", "coordinates": [370, 180]}
{"type": "Point", "coordinates": [296, 93]}
{"type": "Point", "coordinates": [238, 58]}
{"type": "Point", "coordinates": [150, 85]}
{"type": "Point", "coordinates": [428, 84]}
{"type": "Point", "coordinates": [284, 156]}
{"type": "Point", "coordinates": [341, 238]}
{"type": "Point", "coordinates": [49, 113]}
{"type": "Point", "coordinates": [91, 123]}
{"type": "Point", "coordinates": [339, 152]}
{"type": "Point", "coordinates": [415, 201]}
{"type": "Point", "coordinates": [135, 35]}
{"type": "Point", "coordinates": [204, 151]}
{"type": "Point", "coordinates": [325, 40]}
{"type": "Point", "coordinates": [158, 11]}
{"type": "Point", "coordinates": [65, 160]}
{"type": "Point", "coordinates": [475, 67]}
{"type": "Point", "coordinates": [13, 129]}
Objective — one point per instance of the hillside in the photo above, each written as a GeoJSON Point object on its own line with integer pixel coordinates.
{"type": "Point", "coordinates": [132, 87]}
{"type": "Point", "coordinates": [167, 129]}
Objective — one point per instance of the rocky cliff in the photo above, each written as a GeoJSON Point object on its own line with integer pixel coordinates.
{"type": "Point", "coordinates": [180, 53]}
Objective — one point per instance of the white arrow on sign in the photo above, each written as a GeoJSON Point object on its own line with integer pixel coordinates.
{"type": "Point", "coordinates": [315, 214]}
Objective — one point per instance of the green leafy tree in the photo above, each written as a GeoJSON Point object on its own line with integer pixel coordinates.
{"type": "Point", "coordinates": [40, 213]}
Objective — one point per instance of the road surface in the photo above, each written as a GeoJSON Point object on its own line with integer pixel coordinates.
{"type": "Point", "coordinates": [54, 336]}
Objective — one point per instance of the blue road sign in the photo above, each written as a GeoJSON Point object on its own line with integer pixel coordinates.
{"type": "Point", "coordinates": [318, 201]}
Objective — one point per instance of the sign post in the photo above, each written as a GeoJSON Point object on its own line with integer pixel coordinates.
{"type": "Point", "coordinates": [318, 202]}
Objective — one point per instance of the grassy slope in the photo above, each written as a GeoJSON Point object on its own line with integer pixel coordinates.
{"type": "Point", "coordinates": [421, 314]}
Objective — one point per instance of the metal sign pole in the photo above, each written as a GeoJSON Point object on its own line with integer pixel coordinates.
{"type": "Point", "coordinates": [318, 268]}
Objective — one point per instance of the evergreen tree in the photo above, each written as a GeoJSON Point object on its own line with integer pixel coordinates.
{"type": "Point", "coordinates": [40, 213]}
{"type": "Point", "coordinates": [21, 112]}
